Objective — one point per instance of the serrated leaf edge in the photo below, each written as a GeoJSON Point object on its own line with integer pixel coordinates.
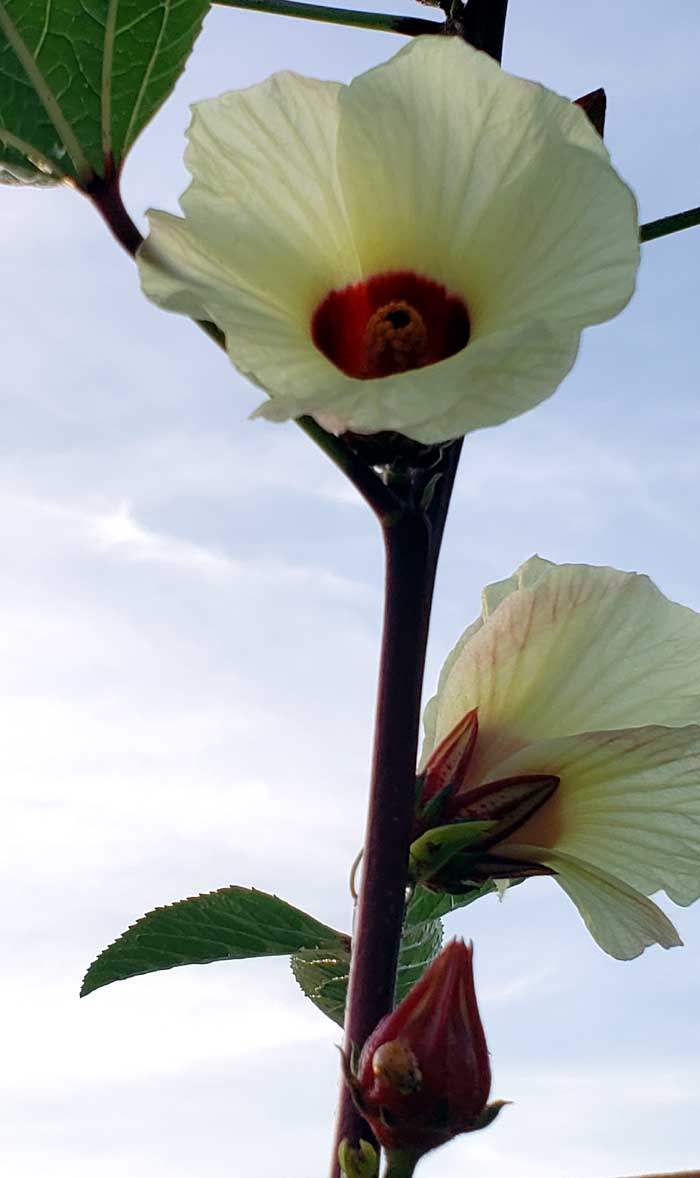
{"type": "Point", "coordinates": [342, 938]}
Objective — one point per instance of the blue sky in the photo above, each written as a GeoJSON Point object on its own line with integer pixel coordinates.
{"type": "Point", "coordinates": [190, 611]}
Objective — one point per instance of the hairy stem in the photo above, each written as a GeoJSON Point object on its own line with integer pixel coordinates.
{"type": "Point", "coordinates": [384, 22]}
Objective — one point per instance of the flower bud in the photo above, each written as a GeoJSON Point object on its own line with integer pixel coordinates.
{"type": "Point", "coordinates": [423, 1075]}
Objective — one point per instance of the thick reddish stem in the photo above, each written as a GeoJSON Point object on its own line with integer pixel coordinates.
{"type": "Point", "coordinates": [410, 565]}
{"type": "Point", "coordinates": [412, 548]}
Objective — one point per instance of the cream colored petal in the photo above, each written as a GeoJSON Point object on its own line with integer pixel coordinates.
{"type": "Point", "coordinates": [622, 921]}
{"type": "Point", "coordinates": [264, 236]}
{"type": "Point", "coordinates": [496, 377]}
{"type": "Point", "coordinates": [265, 193]}
{"type": "Point", "coordinates": [628, 804]}
{"type": "Point", "coordinates": [491, 597]}
{"type": "Point", "coordinates": [581, 649]}
{"type": "Point", "coordinates": [182, 273]}
{"type": "Point", "coordinates": [502, 191]}
{"type": "Point", "coordinates": [428, 139]}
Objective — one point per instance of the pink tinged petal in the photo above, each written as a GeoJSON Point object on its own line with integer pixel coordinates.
{"type": "Point", "coordinates": [621, 920]}
{"type": "Point", "coordinates": [628, 804]}
{"type": "Point", "coordinates": [568, 648]}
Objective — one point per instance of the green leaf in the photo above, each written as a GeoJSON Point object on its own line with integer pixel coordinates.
{"type": "Point", "coordinates": [429, 905]}
{"type": "Point", "coordinates": [226, 925]}
{"type": "Point", "coordinates": [79, 79]}
{"type": "Point", "coordinates": [420, 944]}
{"type": "Point", "coordinates": [324, 979]}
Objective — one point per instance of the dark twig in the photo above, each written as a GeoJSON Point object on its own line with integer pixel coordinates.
{"type": "Point", "coordinates": [383, 22]}
{"type": "Point", "coordinates": [672, 224]}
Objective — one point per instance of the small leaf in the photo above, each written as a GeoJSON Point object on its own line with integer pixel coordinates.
{"type": "Point", "coordinates": [428, 905]}
{"type": "Point", "coordinates": [79, 79]}
{"type": "Point", "coordinates": [324, 979]}
{"type": "Point", "coordinates": [226, 925]}
{"type": "Point", "coordinates": [419, 945]}
{"type": "Point", "coordinates": [324, 976]}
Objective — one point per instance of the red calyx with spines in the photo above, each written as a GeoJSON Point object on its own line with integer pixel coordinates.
{"type": "Point", "coordinates": [423, 1075]}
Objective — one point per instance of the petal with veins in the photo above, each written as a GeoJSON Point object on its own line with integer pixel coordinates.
{"type": "Point", "coordinates": [581, 649]}
{"type": "Point", "coordinates": [622, 921]}
{"type": "Point", "coordinates": [436, 165]}
{"type": "Point", "coordinates": [628, 803]}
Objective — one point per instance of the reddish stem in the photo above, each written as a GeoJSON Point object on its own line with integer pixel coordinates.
{"type": "Point", "coordinates": [412, 546]}
{"type": "Point", "coordinates": [410, 567]}
{"type": "Point", "coordinates": [107, 199]}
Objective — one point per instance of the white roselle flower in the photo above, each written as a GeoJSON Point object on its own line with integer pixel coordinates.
{"type": "Point", "coordinates": [591, 676]}
{"type": "Point", "coordinates": [416, 252]}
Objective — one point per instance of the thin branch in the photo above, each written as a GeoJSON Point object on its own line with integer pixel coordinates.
{"type": "Point", "coordinates": [383, 22]}
{"type": "Point", "coordinates": [675, 1174]}
{"type": "Point", "coordinates": [384, 503]}
{"type": "Point", "coordinates": [662, 228]}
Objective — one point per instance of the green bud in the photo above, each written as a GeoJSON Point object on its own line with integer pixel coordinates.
{"type": "Point", "coordinates": [358, 1163]}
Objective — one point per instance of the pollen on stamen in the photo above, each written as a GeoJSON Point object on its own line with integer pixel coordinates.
{"type": "Point", "coordinates": [389, 324]}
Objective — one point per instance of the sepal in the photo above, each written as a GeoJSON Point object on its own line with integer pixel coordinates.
{"type": "Point", "coordinates": [358, 1163]}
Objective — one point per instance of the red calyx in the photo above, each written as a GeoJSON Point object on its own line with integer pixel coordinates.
{"type": "Point", "coordinates": [423, 1075]}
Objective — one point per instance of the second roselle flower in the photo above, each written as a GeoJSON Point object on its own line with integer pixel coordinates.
{"type": "Point", "coordinates": [423, 1075]}
{"type": "Point", "coordinates": [563, 739]}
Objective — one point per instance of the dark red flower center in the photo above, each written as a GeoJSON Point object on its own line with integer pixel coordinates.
{"type": "Point", "coordinates": [390, 323]}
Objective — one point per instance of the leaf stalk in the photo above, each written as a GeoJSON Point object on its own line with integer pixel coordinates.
{"type": "Point", "coordinates": [383, 22]}
{"type": "Point", "coordinates": [662, 228]}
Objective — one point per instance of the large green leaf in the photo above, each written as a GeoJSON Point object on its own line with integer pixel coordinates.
{"type": "Point", "coordinates": [324, 976]}
{"type": "Point", "coordinates": [79, 79]}
{"type": "Point", "coordinates": [226, 925]}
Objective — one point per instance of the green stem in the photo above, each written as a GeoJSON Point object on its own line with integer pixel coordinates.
{"type": "Point", "coordinates": [384, 22]}
{"type": "Point", "coordinates": [400, 1164]}
{"type": "Point", "coordinates": [384, 503]}
{"type": "Point", "coordinates": [672, 224]}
